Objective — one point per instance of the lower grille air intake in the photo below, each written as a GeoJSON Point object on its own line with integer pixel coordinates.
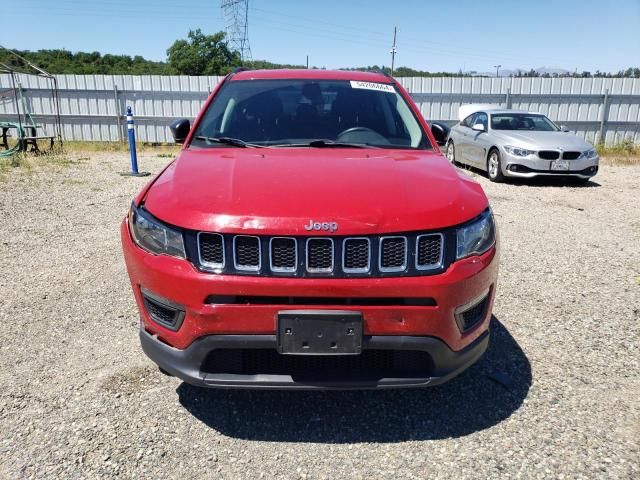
{"type": "Point", "coordinates": [472, 313]}
{"type": "Point", "coordinates": [163, 311]}
{"type": "Point", "coordinates": [370, 365]}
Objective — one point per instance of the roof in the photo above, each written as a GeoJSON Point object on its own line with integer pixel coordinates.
{"type": "Point", "coordinates": [312, 74]}
{"type": "Point", "coordinates": [467, 109]}
{"type": "Point", "coordinates": [504, 110]}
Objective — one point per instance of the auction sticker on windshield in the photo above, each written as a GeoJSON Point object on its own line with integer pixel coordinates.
{"type": "Point", "coordinates": [380, 87]}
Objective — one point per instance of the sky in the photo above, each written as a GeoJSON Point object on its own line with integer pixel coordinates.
{"type": "Point", "coordinates": [432, 35]}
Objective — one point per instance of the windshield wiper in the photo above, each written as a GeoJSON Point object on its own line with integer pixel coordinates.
{"type": "Point", "coordinates": [236, 142]}
{"type": "Point", "coordinates": [321, 143]}
{"type": "Point", "coordinates": [332, 144]}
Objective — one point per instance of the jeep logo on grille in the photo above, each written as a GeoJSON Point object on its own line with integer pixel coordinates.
{"type": "Point", "coordinates": [326, 226]}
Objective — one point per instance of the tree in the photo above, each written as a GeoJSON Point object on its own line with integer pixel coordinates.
{"type": "Point", "coordinates": [202, 55]}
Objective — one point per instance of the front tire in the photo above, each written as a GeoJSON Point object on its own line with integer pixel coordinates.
{"type": "Point", "coordinates": [494, 167]}
{"type": "Point", "coordinates": [451, 152]}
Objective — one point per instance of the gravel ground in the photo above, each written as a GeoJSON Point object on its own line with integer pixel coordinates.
{"type": "Point", "coordinates": [556, 396]}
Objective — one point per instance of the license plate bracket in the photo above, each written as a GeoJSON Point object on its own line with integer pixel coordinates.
{"type": "Point", "coordinates": [319, 332]}
{"type": "Point", "coordinates": [560, 165]}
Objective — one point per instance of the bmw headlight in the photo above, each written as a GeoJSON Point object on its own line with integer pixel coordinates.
{"type": "Point", "coordinates": [477, 237]}
{"type": "Point", "coordinates": [518, 152]}
{"type": "Point", "coordinates": [153, 235]}
{"type": "Point", "coordinates": [588, 154]}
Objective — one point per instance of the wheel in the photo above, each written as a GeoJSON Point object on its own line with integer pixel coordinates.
{"type": "Point", "coordinates": [451, 152]}
{"type": "Point", "coordinates": [494, 167]}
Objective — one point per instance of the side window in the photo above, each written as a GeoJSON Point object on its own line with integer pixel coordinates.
{"type": "Point", "coordinates": [467, 122]}
{"type": "Point", "coordinates": [482, 118]}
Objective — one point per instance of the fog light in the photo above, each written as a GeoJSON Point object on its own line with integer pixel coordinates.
{"type": "Point", "coordinates": [473, 312]}
{"type": "Point", "coordinates": [163, 311]}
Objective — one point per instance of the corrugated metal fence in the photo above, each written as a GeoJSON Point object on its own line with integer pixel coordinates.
{"type": "Point", "coordinates": [93, 106]}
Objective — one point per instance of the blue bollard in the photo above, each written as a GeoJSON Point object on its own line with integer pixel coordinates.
{"type": "Point", "coordinates": [132, 147]}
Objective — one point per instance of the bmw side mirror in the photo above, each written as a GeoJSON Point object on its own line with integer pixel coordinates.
{"type": "Point", "coordinates": [440, 132]}
{"type": "Point", "coordinates": [564, 128]}
{"type": "Point", "coordinates": [180, 130]}
{"type": "Point", "coordinates": [478, 127]}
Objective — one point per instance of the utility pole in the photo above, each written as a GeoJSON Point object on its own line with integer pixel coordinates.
{"type": "Point", "coordinates": [307, 62]}
{"type": "Point", "coordinates": [497, 67]}
{"type": "Point", "coordinates": [393, 50]}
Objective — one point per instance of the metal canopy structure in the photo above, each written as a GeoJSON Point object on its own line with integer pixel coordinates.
{"type": "Point", "coordinates": [21, 66]}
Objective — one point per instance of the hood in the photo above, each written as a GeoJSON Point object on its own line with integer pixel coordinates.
{"type": "Point", "coordinates": [536, 140]}
{"type": "Point", "coordinates": [277, 191]}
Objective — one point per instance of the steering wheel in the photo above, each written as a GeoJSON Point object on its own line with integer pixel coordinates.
{"type": "Point", "coordinates": [361, 135]}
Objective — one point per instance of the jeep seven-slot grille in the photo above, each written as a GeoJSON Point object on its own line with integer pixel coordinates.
{"type": "Point", "coordinates": [376, 255]}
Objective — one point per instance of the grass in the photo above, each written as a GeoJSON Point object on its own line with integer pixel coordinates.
{"type": "Point", "coordinates": [25, 162]}
{"type": "Point", "coordinates": [120, 147]}
{"type": "Point", "coordinates": [623, 153]}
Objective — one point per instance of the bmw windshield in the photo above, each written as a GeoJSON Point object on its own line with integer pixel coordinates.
{"type": "Point", "coordinates": [522, 121]}
{"type": "Point", "coordinates": [315, 113]}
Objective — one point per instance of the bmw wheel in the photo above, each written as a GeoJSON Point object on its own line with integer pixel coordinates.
{"type": "Point", "coordinates": [451, 152]}
{"type": "Point", "coordinates": [494, 167]}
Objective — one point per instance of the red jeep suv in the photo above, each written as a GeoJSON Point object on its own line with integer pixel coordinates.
{"type": "Point", "coordinates": [310, 234]}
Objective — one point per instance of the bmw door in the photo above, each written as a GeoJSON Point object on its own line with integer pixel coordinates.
{"type": "Point", "coordinates": [479, 141]}
{"type": "Point", "coordinates": [464, 139]}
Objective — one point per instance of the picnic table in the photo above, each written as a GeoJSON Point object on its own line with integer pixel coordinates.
{"type": "Point", "coordinates": [29, 141]}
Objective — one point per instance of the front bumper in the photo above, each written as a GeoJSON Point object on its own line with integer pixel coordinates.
{"type": "Point", "coordinates": [532, 166]}
{"type": "Point", "coordinates": [188, 364]}
{"type": "Point", "coordinates": [204, 327]}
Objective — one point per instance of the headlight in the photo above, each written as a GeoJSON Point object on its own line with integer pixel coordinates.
{"type": "Point", "coordinates": [591, 153]}
{"type": "Point", "coordinates": [477, 237]}
{"type": "Point", "coordinates": [154, 236]}
{"type": "Point", "coordinates": [518, 152]}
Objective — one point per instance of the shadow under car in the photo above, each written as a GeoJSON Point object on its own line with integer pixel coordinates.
{"type": "Point", "coordinates": [487, 393]}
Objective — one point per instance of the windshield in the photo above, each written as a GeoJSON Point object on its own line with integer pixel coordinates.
{"type": "Point", "coordinates": [297, 112]}
{"type": "Point", "coordinates": [522, 121]}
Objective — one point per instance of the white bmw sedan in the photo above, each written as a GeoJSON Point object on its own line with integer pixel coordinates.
{"type": "Point", "coordinates": [515, 143]}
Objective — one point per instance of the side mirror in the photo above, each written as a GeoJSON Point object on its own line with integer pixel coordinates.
{"type": "Point", "coordinates": [564, 128]}
{"type": "Point", "coordinates": [440, 132]}
{"type": "Point", "coordinates": [478, 127]}
{"type": "Point", "coordinates": [180, 130]}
